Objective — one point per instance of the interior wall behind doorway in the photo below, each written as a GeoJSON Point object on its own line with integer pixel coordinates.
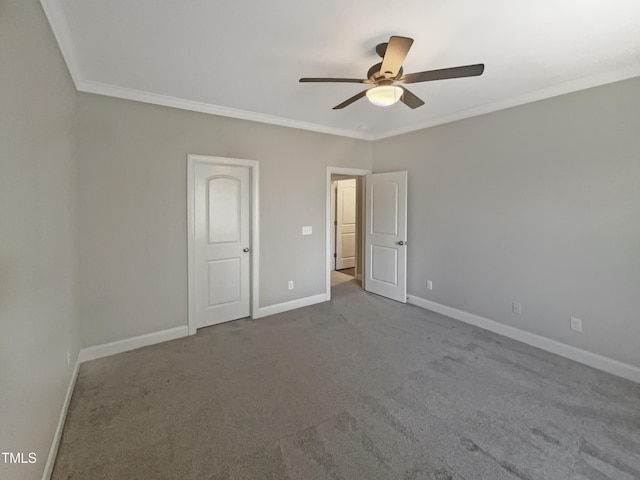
{"type": "Point", "coordinates": [359, 219]}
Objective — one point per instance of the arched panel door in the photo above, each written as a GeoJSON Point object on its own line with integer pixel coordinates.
{"type": "Point", "coordinates": [222, 243]}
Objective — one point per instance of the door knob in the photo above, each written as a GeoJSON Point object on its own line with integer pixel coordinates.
{"type": "Point", "coordinates": [401, 242]}
{"type": "Point", "coordinates": [245, 250]}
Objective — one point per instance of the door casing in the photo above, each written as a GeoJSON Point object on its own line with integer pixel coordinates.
{"type": "Point", "coordinates": [254, 169]}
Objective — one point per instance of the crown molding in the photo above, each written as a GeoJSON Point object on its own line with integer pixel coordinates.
{"type": "Point", "coordinates": [585, 83]}
{"type": "Point", "coordinates": [100, 88]}
{"type": "Point", "coordinates": [202, 107]}
{"type": "Point", "coordinates": [57, 20]}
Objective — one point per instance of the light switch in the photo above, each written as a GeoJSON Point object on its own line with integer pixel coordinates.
{"type": "Point", "coordinates": [307, 230]}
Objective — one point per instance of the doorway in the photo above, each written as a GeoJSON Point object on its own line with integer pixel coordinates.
{"type": "Point", "coordinates": [345, 226]}
{"type": "Point", "coordinates": [382, 266]}
{"type": "Point", "coordinates": [345, 222]}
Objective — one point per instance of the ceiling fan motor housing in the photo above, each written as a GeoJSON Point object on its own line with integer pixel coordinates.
{"type": "Point", "coordinates": [374, 74]}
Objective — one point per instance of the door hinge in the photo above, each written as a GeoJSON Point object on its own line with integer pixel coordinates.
{"type": "Point", "coordinates": [335, 222]}
{"type": "Point", "coordinates": [335, 255]}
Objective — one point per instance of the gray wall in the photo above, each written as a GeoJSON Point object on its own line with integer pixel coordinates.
{"type": "Point", "coordinates": [38, 235]}
{"type": "Point", "coordinates": [133, 158]}
{"type": "Point", "coordinates": [538, 204]}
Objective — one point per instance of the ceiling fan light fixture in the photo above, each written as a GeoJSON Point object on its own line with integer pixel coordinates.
{"type": "Point", "coordinates": [384, 95]}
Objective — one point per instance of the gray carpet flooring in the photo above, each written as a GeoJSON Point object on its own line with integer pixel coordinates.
{"type": "Point", "coordinates": [357, 388]}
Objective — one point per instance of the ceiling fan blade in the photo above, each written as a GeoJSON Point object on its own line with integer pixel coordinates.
{"type": "Point", "coordinates": [396, 52]}
{"type": "Point", "coordinates": [333, 80]}
{"type": "Point", "coordinates": [410, 100]}
{"type": "Point", "coordinates": [350, 100]}
{"type": "Point", "coordinates": [443, 74]}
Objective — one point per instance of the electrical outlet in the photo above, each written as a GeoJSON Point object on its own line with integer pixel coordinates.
{"type": "Point", "coordinates": [429, 285]}
{"type": "Point", "coordinates": [576, 324]}
{"type": "Point", "coordinates": [517, 308]}
{"type": "Point", "coordinates": [290, 284]}
{"type": "Point", "coordinates": [307, 230]}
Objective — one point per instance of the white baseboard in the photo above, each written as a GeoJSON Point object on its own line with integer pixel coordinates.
{"type": "Point", "coordinates": [615, 367]}
{"type": "Point", "coordinates": [53, 451]}
{"type": "Point", "coordinates": [106, 349]}
{"type": "Point", "coordinates": [291, 305]}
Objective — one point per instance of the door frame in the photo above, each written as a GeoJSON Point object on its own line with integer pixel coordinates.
{"type": "Point", "coordinates": [254, 268]}
{"type": "Point", "coordinates": [356, 172]}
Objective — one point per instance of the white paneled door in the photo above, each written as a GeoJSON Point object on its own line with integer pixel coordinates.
{"type": "Point", "coordinates": [346, 224]}
{"type": "Point", "coordinates": [386, 235]}
{"type": "Point", "coordinates": [222, 243]}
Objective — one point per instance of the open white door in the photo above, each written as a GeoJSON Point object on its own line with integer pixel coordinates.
{"type": "Point", "coordinates": [386, 235]}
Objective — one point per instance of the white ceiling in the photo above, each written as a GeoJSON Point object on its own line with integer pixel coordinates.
{"type": "Point", "coordinates": [243, 58]}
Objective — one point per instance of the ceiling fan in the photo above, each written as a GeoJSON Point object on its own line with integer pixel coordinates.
{"type": "Point", "coordinates": [387, 74]}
